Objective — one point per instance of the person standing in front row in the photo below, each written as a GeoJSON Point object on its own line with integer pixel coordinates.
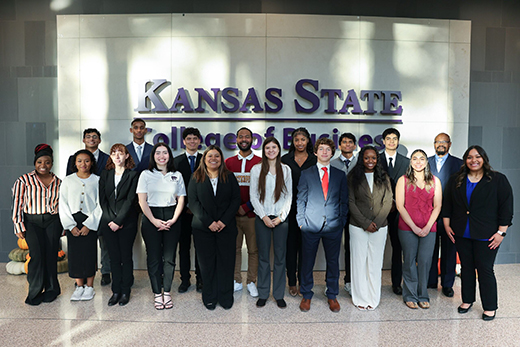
{"type": "Point", "coordinates": [395, 166]}
{"type": "Point", "coordinates": [187, 163]}
{"type": "Point", "coordinates": [300, 157]}
{"type": "Point", "coordinates": [346, 162]}
{"type": "Point", "coordinates": [271, 196]}
{"type": "Point", "coordinates": [322, 213]}
{"type": "Point", "coordinates": [138, 148]}
{"type": "Point", "coordinates": [241, 165]}
{"type": "Point", "coordinates": [418, 197]}
{"type": "Point", "coordinates": [214, 197]}
{"type": "Point", "coordinates": [161, 194]}
{"type": "Point", "coordinates": [443, 165]}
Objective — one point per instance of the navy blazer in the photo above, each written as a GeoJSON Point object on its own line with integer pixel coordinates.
{"type": "Point", "coordinates": [450, 166]}
{"type": "Point", "coordinates": [100, 164]}
{"type": "Point", "coordinates": [314, 213]}
{"type": "Point", "coordinates": [142, 165]}
{"type": "Point", "coordinates": [117, 209]}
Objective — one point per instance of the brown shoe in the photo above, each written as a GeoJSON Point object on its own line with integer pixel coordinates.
{"type": "Point", "coordinates": [412, 305]}
{"type": "Point", "coordinates": [334, 305]}
{"type": "Point", "coordinates": [293, 290]}
{"type": "Point", "coordinates": [424, 304]}
{"type": "Point", "coordinates": [305, 305]}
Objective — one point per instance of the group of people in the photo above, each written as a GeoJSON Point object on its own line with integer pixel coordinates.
{"type": "Point", "coordinates": [288, 202]}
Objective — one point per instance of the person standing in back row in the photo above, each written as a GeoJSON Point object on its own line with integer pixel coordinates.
{"type": "Point", "coordinates": [138, 148]}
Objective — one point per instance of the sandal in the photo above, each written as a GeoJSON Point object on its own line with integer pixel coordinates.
{"type": "Point", "coordinates": [412, 305]}
{"type": "Point", "coordinates": [424, 304]}
{"type": "Point", "coordinates": [168, 304]}
{"type": "Point", "coordinates": [293, 290]}
{"type": "Point", "coordinates": [158, 302]}
{"type": "Point", "coordinates": [361, 308]}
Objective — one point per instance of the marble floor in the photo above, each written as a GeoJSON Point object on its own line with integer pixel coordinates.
{"type": "Point", "coordinates": [93, 323]}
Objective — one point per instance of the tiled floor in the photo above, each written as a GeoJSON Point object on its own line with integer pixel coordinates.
{"type": "Point", "coordinates": [65, 323]}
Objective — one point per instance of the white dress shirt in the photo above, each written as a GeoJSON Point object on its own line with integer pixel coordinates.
{"type": "Point", "coordinates": [162, 190]}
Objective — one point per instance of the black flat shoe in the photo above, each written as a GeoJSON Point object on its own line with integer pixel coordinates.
{"type": "Point", "coordinates": [105, 280]}
{"type": "Point", "coordinates": [125, 298]}
{"type": "Point", "coordinates": [447, 291]}
{"type": "Point", "coordinates": [397, 290]}
{"type": "Point", "coordinates": [199, 286]}
{"type": "Point", "coordinates": [261, 302]}
{"type": "Point", "coordinates": [183, 288]}
{"type": "Point", "coordinates": [486, 317]}
{"type": "Point", "coordinates": [464, 310]}
{"type": "Point", "coordinates": [281, 303]}
{"type": "Point", "coordinates": [210, 306]}
{"type": "Point", "coordinates": [114, 299]}
{"type": "Point", "coordinates": [432, 286]}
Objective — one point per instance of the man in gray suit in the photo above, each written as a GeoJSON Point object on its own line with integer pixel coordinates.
{"type": "Point", "coordinates": [345, 162]}
{"type": "Point", "coordinates": [395, 165]}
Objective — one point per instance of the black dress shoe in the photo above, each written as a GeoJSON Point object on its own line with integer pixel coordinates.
{"type": "Point", "coordinates": [125, 298]}
{"type": "Point", "coordinates": [210, 306]}
{"type": "Point", "coordinates": [281, 303]}
{"type": "Point", "coordinates": [261, 302]}
{"type": "Point", "coordinates": [199, 286]}
{"type": "Point", "coordinates": [114, 299]}
{"type": "Point", "coordinates": [447, 291]}
{"type": "Point", "coordinates": [105, 280]}
{"type": "Point", "coordinates": [49, 296]}
{"type": "Point", "coordinates": [432, 286]}
{"type": "Point", "coordinates": [183, 288]}
{"type": "Point", "coordinates": [464, 310]}
{"type": "Point", "coordinates": [397, 290]}
{"type": "Point", "coordinates": [486, 317]}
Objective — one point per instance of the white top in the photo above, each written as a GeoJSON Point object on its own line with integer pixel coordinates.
{"type": "Point", "coordinates": [162, 190]}
{"type": "Point", "coordinates": [117, 179]}
{"type": "Point", "coordinates": [214, 184]}
{"type": "Point", "coordinates": [321, 171]}
{"type": "Point", "coordinates": [370, 180]}
{"type": "Point", "coordinates": [388, 156]}
{"type": "Point", "coordinates": [80, 195]}
{"type": "Point", "coordinates": [269, 208]}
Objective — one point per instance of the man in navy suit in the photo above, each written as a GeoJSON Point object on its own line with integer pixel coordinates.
{"type": "Point", "coordinates": [92, 139]}
{"type": "Point", "coordinates": [138, 148]}
{"type": "Point", "coordinates": [395, 165]}
{"type": "Point", "coordinates": [443, 165]}
{"type": "Point", "coordinates": [186, 163]}
{"type": "Point", "coordinates": [322, 208]}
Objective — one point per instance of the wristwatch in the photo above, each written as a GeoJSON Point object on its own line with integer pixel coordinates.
{"type": "Point", "coordinates": [501, 233]}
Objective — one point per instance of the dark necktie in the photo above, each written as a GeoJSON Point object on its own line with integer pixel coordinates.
{"type": "Point", "coordinates": [192, 163]}
{"type": "Point", "coordinates": [391, 167]}
{"type": "Point", "coordinates": [347, 163]}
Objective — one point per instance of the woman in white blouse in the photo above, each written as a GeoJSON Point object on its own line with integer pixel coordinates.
{"type": "Point", "coordinates": [80, 214]}
{"type": "Point", "coordinates": [271, 196]}
{"type": "Point", "coordinates": [161, 195]}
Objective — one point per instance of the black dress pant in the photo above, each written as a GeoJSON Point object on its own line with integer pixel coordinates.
{"type": "Point", "coordinates": [161, 248]}
{"type": "Point", "coordinates": [397, 252]}
{"type": "Point", "coordinates": [216, 254]}
{"type": "Point", "coordinates": [43, 233]}
{"type": "Point", "coordinates": [185, 248]}
{"type": "Point", "coordinates": [294, 251]}
{"type": "Point", "coordinates": [476, 255]}
{"type": "Point", "coordinates": [119, 245]}
{"type": "Point", "coordinates": [448, 259]}
{"type": "Point", "coordinates": [347, 251]}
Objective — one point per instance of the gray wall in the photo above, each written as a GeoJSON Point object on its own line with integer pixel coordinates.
{"type": "Point", "coordinates": [28, 101]}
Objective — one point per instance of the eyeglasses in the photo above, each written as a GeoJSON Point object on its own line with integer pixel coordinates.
{"type": "Point", "coordinates": [442, 142]}
{"type": "Point", "coordinates": [93, 137]}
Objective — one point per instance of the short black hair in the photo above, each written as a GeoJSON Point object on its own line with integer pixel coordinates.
{"type": "Point", "coordinates": [191, 131]}
{"type": "Point", "coordinates": [391, 131]}
{"type": "Point", "coordinates": [348, 136]}
{"type": "Point", "coordinates": [245, 128]}
{"type": "Point", "coordinates": [138, 120]}
{"type": "Point", "coordinates": [91, 130]}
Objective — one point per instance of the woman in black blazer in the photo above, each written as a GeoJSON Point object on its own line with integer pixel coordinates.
{"type": "Point", "coordinates": [117, 197]}
{"type": "Point", "coordinates": [214, 198]}
{"type": "Point", "coordinates": [477, 210]}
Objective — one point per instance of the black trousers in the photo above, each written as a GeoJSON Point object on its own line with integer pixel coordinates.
{"type": "Point", "coordinates": [161, 248]}
{"type": "Point", "coordinates": [293, 258]}
{"type": "Point", "coordinates": [397, 251]}
{"type": "Point", "coordinates": [119, 245]}
{"type": "Point", "coordinates": [184, 250]}
{"type": "Point", "coordinates": [448, 259]}
{"type": "Point", "coordinates": [43, 233]}
{"type": "Point", "coordinates": [347, 251]}
{"type": "Point", "coordinates": [476, 255]}
{"type": "Point", "coordinates": [216, 254]}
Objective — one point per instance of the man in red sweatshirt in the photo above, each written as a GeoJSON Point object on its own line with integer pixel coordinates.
{"type": "Point", "coordinates": [241, 165]}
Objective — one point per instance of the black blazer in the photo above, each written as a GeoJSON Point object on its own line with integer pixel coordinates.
{"type": "Point", "coordinates": [121, 208]}
{"type": "Point", "coordinates": [100, 164]}
{"type": "Point", "coordinates": [491, 205]}
{"type": "Point", "coordinates": [182, 164]}
{"type": "Point", "coordinates": [208, 208]}
{"type": "Point", "coordinates": [400, 166]}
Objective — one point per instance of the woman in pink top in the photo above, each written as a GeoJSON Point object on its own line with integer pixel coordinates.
{"type": "Point", "coordinates": [418, 197]}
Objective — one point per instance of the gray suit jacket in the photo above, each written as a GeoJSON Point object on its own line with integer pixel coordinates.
{"type": "Point", "coordinates": [338, 163]}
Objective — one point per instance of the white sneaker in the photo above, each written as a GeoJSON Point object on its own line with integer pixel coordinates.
{"type": "Point", "coordinates": [88, 294]}
{"type": "Point", "coordinates": [251, 287]}
{"type": "Point", "coordinates": [238, 286]}
{"type": "Point", "coordinates": [78, 292]}
{"type": "Point", "coordinates": [348, 288]}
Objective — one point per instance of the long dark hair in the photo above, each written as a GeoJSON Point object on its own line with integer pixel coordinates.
{"type": "Point", "coordinates": [357, 175]}
{"type": "Point", "coordinates": [153, 165]}
{"type": "Point", "coordinates": [202, 171]}
{"type": "Point", "coordinates": [464, 170]}
{"type": "Point", "coordinates": [280, 182]}
{"type": "Point", "coordinates": [93, 167]}
{"type": "Point", "coordinates": [129, 162]}
{"type": "Point", "coordinates": [428, 176]}
{"type": "Point", "coordinates": [304, 132]}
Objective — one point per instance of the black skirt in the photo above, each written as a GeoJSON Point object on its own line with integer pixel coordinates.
{"type": "Point", "coordinates": [82, 251]}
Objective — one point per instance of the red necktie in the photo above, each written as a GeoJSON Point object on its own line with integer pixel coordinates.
{"type": "Point", "coordinates": [325, 182]}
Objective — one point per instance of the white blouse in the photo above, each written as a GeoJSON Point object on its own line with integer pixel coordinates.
{"type": "Point", "coordinates": [80, 195]}
{"type": "Point", "coordinates": [162, 190]}
{"type": "Point", "coordinates": [269, 208]}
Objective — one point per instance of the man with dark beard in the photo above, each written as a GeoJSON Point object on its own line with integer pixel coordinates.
{"type": "Point", "coordinates": [241, 165]}
{"type": "Point", "coordinates": [443, 165]}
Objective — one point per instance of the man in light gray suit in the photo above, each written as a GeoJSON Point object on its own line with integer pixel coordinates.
{"type": "Point", "coordinates": [345, 162]}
